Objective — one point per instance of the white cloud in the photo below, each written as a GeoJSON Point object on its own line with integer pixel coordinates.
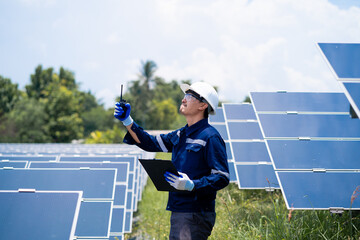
{"type": "Point", "coordinates": [265, 45]}
{"type": "Point", "coordinates": [237, 45]}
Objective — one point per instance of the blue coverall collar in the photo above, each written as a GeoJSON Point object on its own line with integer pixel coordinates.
{"type": "Point", "coordinates": [190, 130]}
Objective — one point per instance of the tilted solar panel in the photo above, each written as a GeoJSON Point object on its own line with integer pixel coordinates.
{"type": "Point", "coordinates": [38, 215]}
{"type": "Point", "coordinates": [94, 219]}
{"type": "Point", "coordinates": [315, 126]}
{"type": "Point", "coordinates": [13, 164]}
{"type": "Point", "coordinates": [250, 152]}
{"type": "Point", "coordinates": [244, 130]}
{"type": "Point", "coordinates": [343, 58]}
{"type": "Point", "coordinates": [315, 102]}
{"type": "Point", "coordinates": [243, 111]}
{"type": "Point", "coordinates": [298, 154]}
{"type": "Point", "coordinates": [319, 190]}
{"type": "Point", "coordinates": [352, 91]}
{"type": "Point", "coordinates": [218, 117]}
{"type": "Point", "coordinates": [253, 176]}
{"type": "Point", "coordinates": [95, 184]}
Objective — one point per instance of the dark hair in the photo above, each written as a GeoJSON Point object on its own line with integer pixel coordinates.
{"type": "Point", "coordinates": [206, 113]}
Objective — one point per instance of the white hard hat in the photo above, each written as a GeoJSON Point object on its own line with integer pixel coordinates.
{"type": "Point", "coordinates": [205, 91]}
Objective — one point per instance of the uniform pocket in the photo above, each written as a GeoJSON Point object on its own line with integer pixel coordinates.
{"type": "Point", "coordinates": [193, 147]}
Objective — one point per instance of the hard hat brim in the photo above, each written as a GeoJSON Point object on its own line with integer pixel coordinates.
{"type": "Point", "coordinates": [184, 87]}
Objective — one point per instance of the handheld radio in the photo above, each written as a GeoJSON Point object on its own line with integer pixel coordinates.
{"type": "Point", "coordinates": [122, 103]}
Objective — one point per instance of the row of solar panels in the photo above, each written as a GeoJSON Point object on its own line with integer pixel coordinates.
{"type": "Point", "coordinates": [103, 193]}
{"type": "Point", "coordinates": [307, 144]}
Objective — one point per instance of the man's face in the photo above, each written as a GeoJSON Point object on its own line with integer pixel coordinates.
{"type": "Point", "coordinates": [190, 105]}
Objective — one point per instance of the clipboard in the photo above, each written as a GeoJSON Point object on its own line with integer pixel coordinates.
{"type": "Point", "coordinates": [156, 169]}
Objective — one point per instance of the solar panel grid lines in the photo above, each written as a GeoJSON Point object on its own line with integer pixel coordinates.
{"type": "Point", "coordinates": [220, 125]}
{"type": "Point", "coordinates": [120, 197]}
{"type": "Point", "coordinates": [243, 130]}
{"type": "Point", "coordinates": [134, 186]}
{"type": "Point", "coordinates": [343, 60]}
{"type": "Point", "coordinates": [35, 218]}
{"type": "Point", "coordinates": [320, 145]}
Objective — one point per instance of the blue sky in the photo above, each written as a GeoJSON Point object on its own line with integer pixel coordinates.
{"type": "Point", "coordinates": [237, 45]}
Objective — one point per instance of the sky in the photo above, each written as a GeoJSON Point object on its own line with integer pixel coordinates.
{"type": "Point", "coordinates": [240, 46]}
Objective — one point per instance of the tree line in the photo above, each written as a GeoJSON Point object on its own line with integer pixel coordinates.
{"type": "Point", "coordinates": [53, 109]}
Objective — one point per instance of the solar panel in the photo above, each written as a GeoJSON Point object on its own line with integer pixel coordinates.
{"type": "Point", "coordinates": [343, 59]}
{"type": "Point", "coordinates": [94, 219]}
{"type": "Point", "coordinates": [65, 153]}
{"type": "Point", "coordinates": [120, 195]}
{"type": "Point", "coordinates": [321, 138]}
{"type": "Point", "coordinates": [132, 196]}
{"type": "Point", "coordinates": [38, 215]}
{"type": "Point", "coordinates": [218, 117]}
{"type": "Point", "coordinates": [248, 150]}
{"type": "Point", "coordinates": [122, 167]}
{"type": "Point", "coordinates": [315, 126]}
{"type": "Point", "coordinates": [300, 102]}
{"type": "Point", "coordinates": [244, 130]}
{"type": "Point", "coordinates": [309, 190]}
{"type": "Point", "coordinates": [352, 91]}
{"type": "Point", "coordinates": [252, 152]}
{"type": "Point", "coordinates": [122, 177]}
{"type": "Point", "coordinates": [297, 154]}
{"type": "Point", "coordinates": [243, 111]}
{"type": "Point", "coordinates": [95, 184]}
{"type": "Point", "coordinates": [13, 164]}
{"type": "Point", "coordinates": [129, 159]}
{"type": "Point", "coordinates": [256, 176]}
{"type": "Point", "coordinates": [118, 222]}
{"type": "Point", "coordinates": [221, 128]}
{"type": "Point", "coordinates": [132, 177]}
{"type": "Point", "coordinates": [128, 221]}
{"type": "Point", "coordinates": [232, 172]}
{"type": "Point", "coordinates": [228, 151]}
{"type": "Point", "coordinates": [28, 158]}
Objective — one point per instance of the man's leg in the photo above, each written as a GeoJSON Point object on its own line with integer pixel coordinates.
{"type": "Point", "coordinates": [191, 226]}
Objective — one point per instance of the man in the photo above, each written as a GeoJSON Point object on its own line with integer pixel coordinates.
{"type": "Point", "coordinates": [198, 153]}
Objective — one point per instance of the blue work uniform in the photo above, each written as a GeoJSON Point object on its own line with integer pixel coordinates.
{"type": "Point", "coordinates": [200, 152]}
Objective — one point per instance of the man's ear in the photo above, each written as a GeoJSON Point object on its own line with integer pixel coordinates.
{"type": "Point", "coordinates": [203, 106]}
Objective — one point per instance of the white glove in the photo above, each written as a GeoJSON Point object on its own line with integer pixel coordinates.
{"type": "Point", "coordinates": [181, 182]}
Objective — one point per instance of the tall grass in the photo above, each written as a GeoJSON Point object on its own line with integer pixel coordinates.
{"type": "Point", "coordinates": [247, 214]}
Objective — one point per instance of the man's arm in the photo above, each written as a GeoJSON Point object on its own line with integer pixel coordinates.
{"type": "Point", "coordinates": [132, 133]}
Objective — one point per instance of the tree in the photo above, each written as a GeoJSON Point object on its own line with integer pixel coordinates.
{"type": "Point", "coordinates": [62, 108]}
{"type": "Point", "coordinates": [147, 72]}
{"type": "Point", "coordinates": [9, 95]}
{"type": "Point", "coordinates": [163, 114]}
{"type": "Point", "coordinates": [39, 81]}
{"type": "Point", "coordinates": [27, 123]}
{"type": "Point", "coordinates": [97, 119]}
{"type": "Point", "coordinates": [146, 102]}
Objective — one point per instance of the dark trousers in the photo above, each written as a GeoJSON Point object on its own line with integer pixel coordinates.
{"type": "Point", "coordinates": [191, 226]}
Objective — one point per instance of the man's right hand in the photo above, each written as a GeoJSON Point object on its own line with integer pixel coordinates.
{"type": "Point", "coordinates": [122, 112]}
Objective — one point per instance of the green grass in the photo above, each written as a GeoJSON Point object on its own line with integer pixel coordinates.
{"type": "Point", "coordinates": [247, 214]}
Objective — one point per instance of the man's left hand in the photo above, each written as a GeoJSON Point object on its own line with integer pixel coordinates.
{"type": "Point", "coordinates": [181, 182]}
